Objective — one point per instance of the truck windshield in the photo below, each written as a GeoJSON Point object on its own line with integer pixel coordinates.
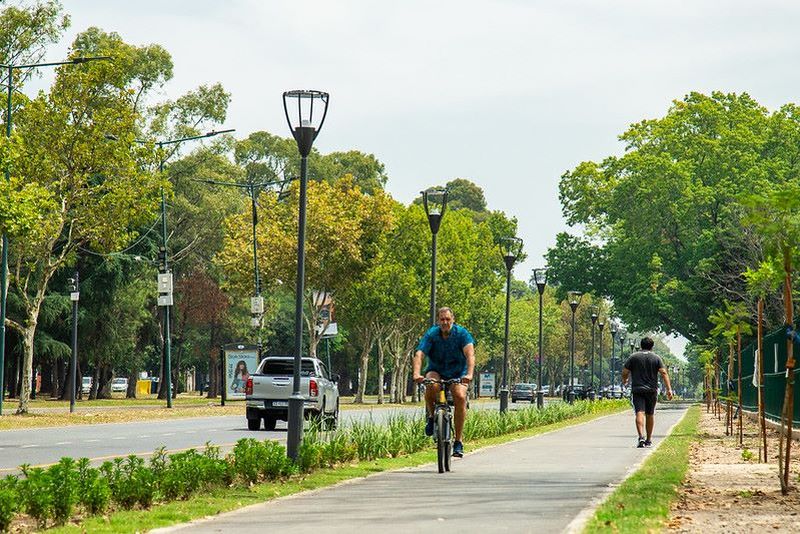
{"type": "Point", "coordinates": [286, 368]}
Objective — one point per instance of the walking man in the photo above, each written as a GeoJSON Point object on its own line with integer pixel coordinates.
{"type": "Point", "coordinates": [643, 368]}
{"type": "Point", "coordinates": [450, 350]}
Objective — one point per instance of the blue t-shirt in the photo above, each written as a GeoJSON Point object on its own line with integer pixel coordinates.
{"type": "Point", "coordinates": [446, 356]}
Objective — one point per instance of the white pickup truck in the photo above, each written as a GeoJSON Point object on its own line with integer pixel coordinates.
{"type": "Point", "coordinates": [268, 390]}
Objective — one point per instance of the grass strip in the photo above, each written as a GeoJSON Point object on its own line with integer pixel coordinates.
{"type": "Point", "coordinates": [225, 499]}
{"type": "Point", "coordinates": [641, 503]}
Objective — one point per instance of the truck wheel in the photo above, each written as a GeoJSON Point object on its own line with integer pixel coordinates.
{"type": "Point", "coordinates": [269, 422]}
{"type": "Point", "coordinates": [333, 419]}
{"type": "Point", "coordinates": [253, 424]}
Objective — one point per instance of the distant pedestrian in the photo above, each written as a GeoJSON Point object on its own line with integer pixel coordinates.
{"type": "Point", "coordinates": [643, 368]}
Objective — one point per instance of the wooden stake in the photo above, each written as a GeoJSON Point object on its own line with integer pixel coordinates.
{"type": "Point", "coordinates": [761, 377]}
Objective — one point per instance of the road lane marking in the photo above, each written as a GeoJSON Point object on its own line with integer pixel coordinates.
{"type": "Point", "coordinates": [91, 441]}
{"type": "Point", "coordinates": [64, 443]}
{"type": "Point", "coordinates": [144, 436]}
{"type": "Point", "coordinates": [169, 434]}
{"type": "Point", "coordinates": [28, 446]}
{"type": "Point", "coordinates": [118, 437]}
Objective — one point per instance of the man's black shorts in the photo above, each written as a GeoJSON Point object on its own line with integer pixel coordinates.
{"type": "Point", "coordinates": [644, 401]}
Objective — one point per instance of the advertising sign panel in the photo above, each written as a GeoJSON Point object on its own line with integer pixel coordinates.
{"type": "Point", "coordinates": [238, 362]}
{"type": "Point", "coordinates": [486, 384]}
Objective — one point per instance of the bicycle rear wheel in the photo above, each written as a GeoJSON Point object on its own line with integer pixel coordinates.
{"type": "Point", "coordinates": [441, 440]}
{"type": "Point", "coordinates": [448, 443]}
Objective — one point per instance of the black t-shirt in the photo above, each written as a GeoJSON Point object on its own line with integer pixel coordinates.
{"type": "Point", "coordinates": [644, 368]}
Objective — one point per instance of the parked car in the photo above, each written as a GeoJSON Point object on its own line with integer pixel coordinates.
{"type": "Point", "coordinates": [86, 385]}
{"type": "Point", "coordinates": [523, 392]}
{"type": "Point", "coordinates": [119, 384]}
{"type": "Point", "coordinates": [268, 389]}
{"type": "Point", "coordinates": [612, 392]}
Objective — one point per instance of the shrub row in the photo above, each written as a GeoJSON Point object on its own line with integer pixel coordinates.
{"type": "Point", "coordinates": [55, 494]}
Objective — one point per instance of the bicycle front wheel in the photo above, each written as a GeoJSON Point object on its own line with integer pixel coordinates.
{"type": "Point", "coordinates": [442, 441]}
{"type": "Point", "coordinates": [448, 443]}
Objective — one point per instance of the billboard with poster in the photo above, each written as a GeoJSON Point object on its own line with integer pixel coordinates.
{"type": "Point", "coordinates": [238, 362]}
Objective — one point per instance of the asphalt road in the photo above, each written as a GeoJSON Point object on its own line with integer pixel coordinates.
{"type": "Point", "coordinates": [44, 446]}
{"type": "Point", "coordinates": [547, 483]}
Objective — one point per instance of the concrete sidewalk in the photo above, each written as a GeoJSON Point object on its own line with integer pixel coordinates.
{"type": "Point", "coordinates": [538, 484]}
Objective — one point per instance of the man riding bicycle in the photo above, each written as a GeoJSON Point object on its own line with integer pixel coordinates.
{"type": "Point", "coordinates": [450, 350]}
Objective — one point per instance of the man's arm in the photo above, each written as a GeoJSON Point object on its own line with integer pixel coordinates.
{"type": "Point", "coordinates": [416, 367]}
{"type": "Point", "coordinates": [469, 354]}
{"type": "Point", "coordinates": [626, 373]}
{"type": "Point", "coordinates": [665, 377]}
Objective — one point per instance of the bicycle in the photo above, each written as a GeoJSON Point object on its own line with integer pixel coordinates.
{"type": "Point", "coordinates": [443, 422]}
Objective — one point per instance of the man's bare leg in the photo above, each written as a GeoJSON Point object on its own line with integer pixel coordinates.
{"type": "Point", "coordinates": [651, 419]}
{"type": "Point", "coordinates": [640, 423]}
{"type": "Point", "coordinates": [431, 392]}
{"type": "Point", "coordinates": [459, 392]}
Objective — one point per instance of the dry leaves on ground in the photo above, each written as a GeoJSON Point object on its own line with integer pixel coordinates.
{"type": "Point", "coordinates": [728, 490]}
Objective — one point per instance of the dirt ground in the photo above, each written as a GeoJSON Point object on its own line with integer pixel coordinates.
{"type": "Point", "coordinates": [728, 490]}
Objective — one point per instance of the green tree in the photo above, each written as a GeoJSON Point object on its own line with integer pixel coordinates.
{"type": "Point", "coordinates": [99, 193]}
{"type": "Point", "coordinates": [663, 220]}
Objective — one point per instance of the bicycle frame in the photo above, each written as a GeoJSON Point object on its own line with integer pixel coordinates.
{"type": "Point", "coordinates": [443, 422]}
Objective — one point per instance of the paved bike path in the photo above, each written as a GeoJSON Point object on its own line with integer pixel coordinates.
{"type": "Point", "coordinates": [538, 484]}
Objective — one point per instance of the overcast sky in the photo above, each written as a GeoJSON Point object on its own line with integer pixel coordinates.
{"type": "Point", "coordinates": [509, 94]}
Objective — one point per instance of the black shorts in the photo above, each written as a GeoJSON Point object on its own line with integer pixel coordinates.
{"type": "Point", "coordinates": [644, 401]}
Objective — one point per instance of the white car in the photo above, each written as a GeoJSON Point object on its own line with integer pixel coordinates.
{"type": "Point", "coordinates": [119, 384]}
{"type": "Point", "coordinates": [86, 385]}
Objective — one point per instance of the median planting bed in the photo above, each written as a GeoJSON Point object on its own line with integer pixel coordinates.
{"type": "Point", "coordinates": [73, 490]}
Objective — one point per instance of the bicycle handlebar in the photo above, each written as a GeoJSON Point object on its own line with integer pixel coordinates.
{"type": "Point", "coordinates": [442, 382]}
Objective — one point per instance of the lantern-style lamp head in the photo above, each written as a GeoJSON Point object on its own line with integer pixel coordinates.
{"type": "Point", "coordinates": [510, 248]}
{"type": "Point", "coordinates": [307, 115]}
{"type": "Point", "coordinates": [613, 329]}
{"type": "Point", "coordinates": [574, 299]}
{"type": "Point", "coordinates": [434, 200]}
{"type": "Point", "coordinates": [540, 278]}
{"type": "Point", "coordinates": [594, 314]}
{"type": "Point", "coordinates": [600, 324]}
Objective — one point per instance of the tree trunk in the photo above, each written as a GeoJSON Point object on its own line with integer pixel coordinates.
{"type": "Point", "coordinates": [366, 348]}
{"type": "Point", "coordinates": [381, 368]}
{"type": "Point", "coordinates": [27, 363]}
{"type": "Point", "coordinates": [133, 378]}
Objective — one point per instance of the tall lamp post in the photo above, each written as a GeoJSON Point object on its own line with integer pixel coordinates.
{"type": "Point", "coordinates": [591, 377]}
{"type": "Point", "coordinates": [621, 355]}
{"type": "Point", "coordinates": [305, 126]}
{"type": "Point", "coordinates": [74, 296]}
{"type": "Point", "coordinates": [612, 329]}
{"type": "Point", "coordinates": [435, 202]}
{"type": "Point", "coordinates": [600, 324]}
{"type": "Point", "coordinates": [574, 301]}
{"type": "Point", "coordinates": [510, 247]}
{"type": "Point", "coordinates": [165, 276]}
{"type": "Point", "coordinates": [9, 68]}
{"type": "Point", "coordinates": [540, 277]}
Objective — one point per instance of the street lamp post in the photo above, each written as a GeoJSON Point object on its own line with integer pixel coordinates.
{"type": "Point", "coordinates": [621, 355]}
{"type": "Point", "coordinates": [613, 331]}
{"type": "Point", "coordinates": [591, 377]}
{"type": "Point", "coordinates": [304, 128]}
{"type": "Point", "coordinates": [510, 247]}
{"type": "Point", "coordinates": [574, 301]}
{"type": "Point", "coordinates": [600, 324]}
{"type": "Point", "coordinates": [435, 202]}
{"type": "Point", "coordinates": [74, 295]}
{"type": "Point", "coordinates": [540, 277]}
{"type": "Point", "coordinates": [4, 267]}
{"type": "Point", "coordinates": [165, 276]}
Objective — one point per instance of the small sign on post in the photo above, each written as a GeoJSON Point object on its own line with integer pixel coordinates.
{"type": "Point", "coordinates": [486, 388]}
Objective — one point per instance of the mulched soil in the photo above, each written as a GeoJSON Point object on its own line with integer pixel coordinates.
{"type": "Point", "coordinates": [728, 490]}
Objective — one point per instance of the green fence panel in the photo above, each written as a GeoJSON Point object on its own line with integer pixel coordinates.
{"type": "Point", "coordinates": [774, 376]}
